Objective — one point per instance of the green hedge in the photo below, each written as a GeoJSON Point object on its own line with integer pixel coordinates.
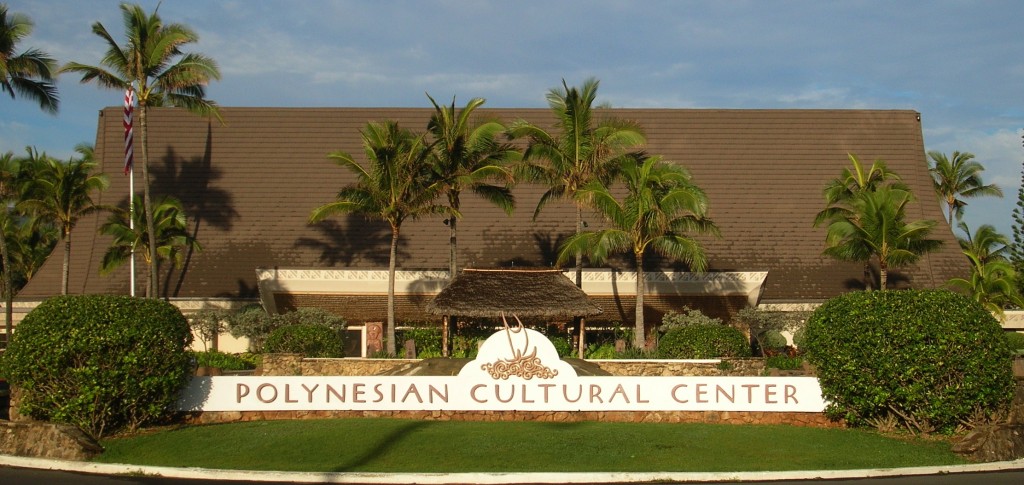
{"type": "Point", "coordinates": [1016, 342]}
{"type": "Point", "coordinates": [225, 361]}
{"type": "Point", "coordinates": [309, 339]}
{"type": "Point", "coordinates": [100, 362]}
{"type": "Point", "coordinates": [703, 341]}
{"type": "Point", "coordinates": [930, 359]}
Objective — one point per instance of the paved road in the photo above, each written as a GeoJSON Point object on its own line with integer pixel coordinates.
{"type": "Point", "coordinates": [26, 476]}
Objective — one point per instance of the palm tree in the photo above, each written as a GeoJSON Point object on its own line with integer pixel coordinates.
{"type": "Point", "coordinates": [958, 179]}
{"type": "Point", "coordinates": [396, 186]}
{"type": "Point", "coordinates": [31, 242]}
{"type": "Point", "coordinates": [153, 65]}
{"type": "Point", "coordinates": [993, 278]}
{"type": "Point", "coordinates": [662, 209]}
{"type": "Point", "coordinates": [466, 157]}
{"type": "Point", "coordinates": [172, 237]}
{"type": "Point", "coordinates": [992, 283]}
{"type": "Point", "coordinates": [877, 229]}
{"type": "Point", "coordinates": [852, 181]}
{"type": "Point", "coordinates": [29, 73]}
{"type": "Point", "coordinates": [62, 192]}
{"type": "Point", "coordinates": [582, 152]}
{"type": "Point", "coordinates": [9, 177]}
{"type": "Point", "coordinates": [986, 244]}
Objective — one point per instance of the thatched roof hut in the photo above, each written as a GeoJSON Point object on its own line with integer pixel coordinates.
{"type": "Point", "coordinates": [522, 292]}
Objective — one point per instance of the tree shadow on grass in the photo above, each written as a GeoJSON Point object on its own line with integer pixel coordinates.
{"type": "Point", "coordinates": [386, 442]}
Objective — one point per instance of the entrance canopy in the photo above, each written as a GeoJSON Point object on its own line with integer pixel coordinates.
{"type": "Point", "coordinates": [523, 292]}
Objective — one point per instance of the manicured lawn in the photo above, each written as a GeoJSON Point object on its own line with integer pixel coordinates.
{"type": "Point", "coordinates": [391, 445]}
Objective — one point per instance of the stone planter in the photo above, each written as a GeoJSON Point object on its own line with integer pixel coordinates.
{"type": "Point", "coordinates": [1018, 366]}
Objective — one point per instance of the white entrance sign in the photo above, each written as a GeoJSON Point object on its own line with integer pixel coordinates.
{"type": "Point", "coordinates": [517, 369]}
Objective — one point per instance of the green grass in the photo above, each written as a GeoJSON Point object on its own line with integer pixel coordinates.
{"type": "Point", "coordinates": [392, 445]}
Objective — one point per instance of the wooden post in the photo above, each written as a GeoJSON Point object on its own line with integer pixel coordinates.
{"type": "Point", "coordinates": [583, 337]}
{"type": "Point", "coordinates": [444, 336]}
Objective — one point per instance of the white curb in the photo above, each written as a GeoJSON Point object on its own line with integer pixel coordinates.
{"type": "Point", "coordinates": [492, 478]}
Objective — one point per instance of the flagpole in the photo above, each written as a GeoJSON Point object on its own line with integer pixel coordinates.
{"type": "Point", "coordinates": [131, 222]}
{"type": "Point", "coordinates": [129, 170]}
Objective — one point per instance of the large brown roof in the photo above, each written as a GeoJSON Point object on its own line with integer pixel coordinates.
{"type": "Point", "coordinates": [250, 183]}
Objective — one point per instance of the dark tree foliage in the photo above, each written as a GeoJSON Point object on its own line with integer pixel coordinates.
{"type": "Point", "coordinates": [1017, 248]}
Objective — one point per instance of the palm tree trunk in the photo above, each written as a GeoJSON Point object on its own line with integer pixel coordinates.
{"type": "Point", "coordinates": [67, 261]}
{"type": "Point", "coordinates": [445, 330]}
{"type": "Point", "coordinates": [152, 286]}
{"type": "Point", "coordinates": [8, 289]}
{"type": "Point", "coordinates": [391, 291]}
{"type": "Point", "coordinates": [453, 269]}
{"type": "Point", "coordinates": [883, 275]}
{"type": "Point", "coordinates": [453, 243]}
{"type": "Point", "coordinates": [639, 339]}
{"type": "Point", "coordinates": [579, 255]}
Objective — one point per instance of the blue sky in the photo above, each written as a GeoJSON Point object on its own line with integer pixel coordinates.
{"type": "Point", "coordinates": [960, 64]}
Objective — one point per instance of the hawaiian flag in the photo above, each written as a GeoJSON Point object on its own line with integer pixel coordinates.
{"type": "Point", "coordinates": [129, 102]}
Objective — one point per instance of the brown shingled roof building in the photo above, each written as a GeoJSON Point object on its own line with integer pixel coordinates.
{"type": "Point", "coordinates": [249, 184]}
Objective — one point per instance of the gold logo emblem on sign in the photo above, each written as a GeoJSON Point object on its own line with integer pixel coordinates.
{"type": "Point", "coordinates": [522, 364]}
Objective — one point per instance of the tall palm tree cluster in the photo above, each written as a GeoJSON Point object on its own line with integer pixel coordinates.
{"type": "Point", "coordinates": [865, 220]}
{"type": "Point", "coordinates": [42, 199]}
{"type": "Point", "coordinates": [411, 175]}
{"type": "Point", "coordinates": [152, 64]}
{"type": "Point", "coordinates": [993, 280]}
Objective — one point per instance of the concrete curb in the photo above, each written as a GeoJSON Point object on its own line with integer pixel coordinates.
{"type": "Point", "coordinates": [492, 478]}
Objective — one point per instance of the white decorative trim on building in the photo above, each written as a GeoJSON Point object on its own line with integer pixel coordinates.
{"type": "Point", "coordinates": [192, 305]}
{"type": "Point", "coordinates": [596, 282]}
{"type": "Point", "coordinates": [788, 307]}
{"type": "Point", "coordinates": [603, 282]}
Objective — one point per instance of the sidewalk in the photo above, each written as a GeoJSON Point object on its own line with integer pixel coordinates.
{"type": "Point", "coordinates": [492, 478]}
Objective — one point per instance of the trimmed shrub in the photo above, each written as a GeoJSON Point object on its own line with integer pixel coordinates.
{"type": "Point", "coordinates": [690, 318]}
{"type": "Point", "coordinates": [930, 359]}
{"type": "Point", "coordinates": [100, 362]}
{"type": "Point", "coordinates": [800, 337]}
{"type": "Point", "coordinates": [1016, 342]}
{"type": "Point", "coordinates": [255, 324]}
{"type": "Point", "coordinates": [310, 340]}
{"type": "Point", "coordinates": [772, 340]}
{"type": "Point", "coordinates": [703, 341]}
{"type": "Point", "coordinates": [766, 326]}
{"type": "Point", "coordinates": [225, 361]}
{"type": "Point", "coordinates": [428, 340]}
{"type": "Point", "coordinates": [311, 316]}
